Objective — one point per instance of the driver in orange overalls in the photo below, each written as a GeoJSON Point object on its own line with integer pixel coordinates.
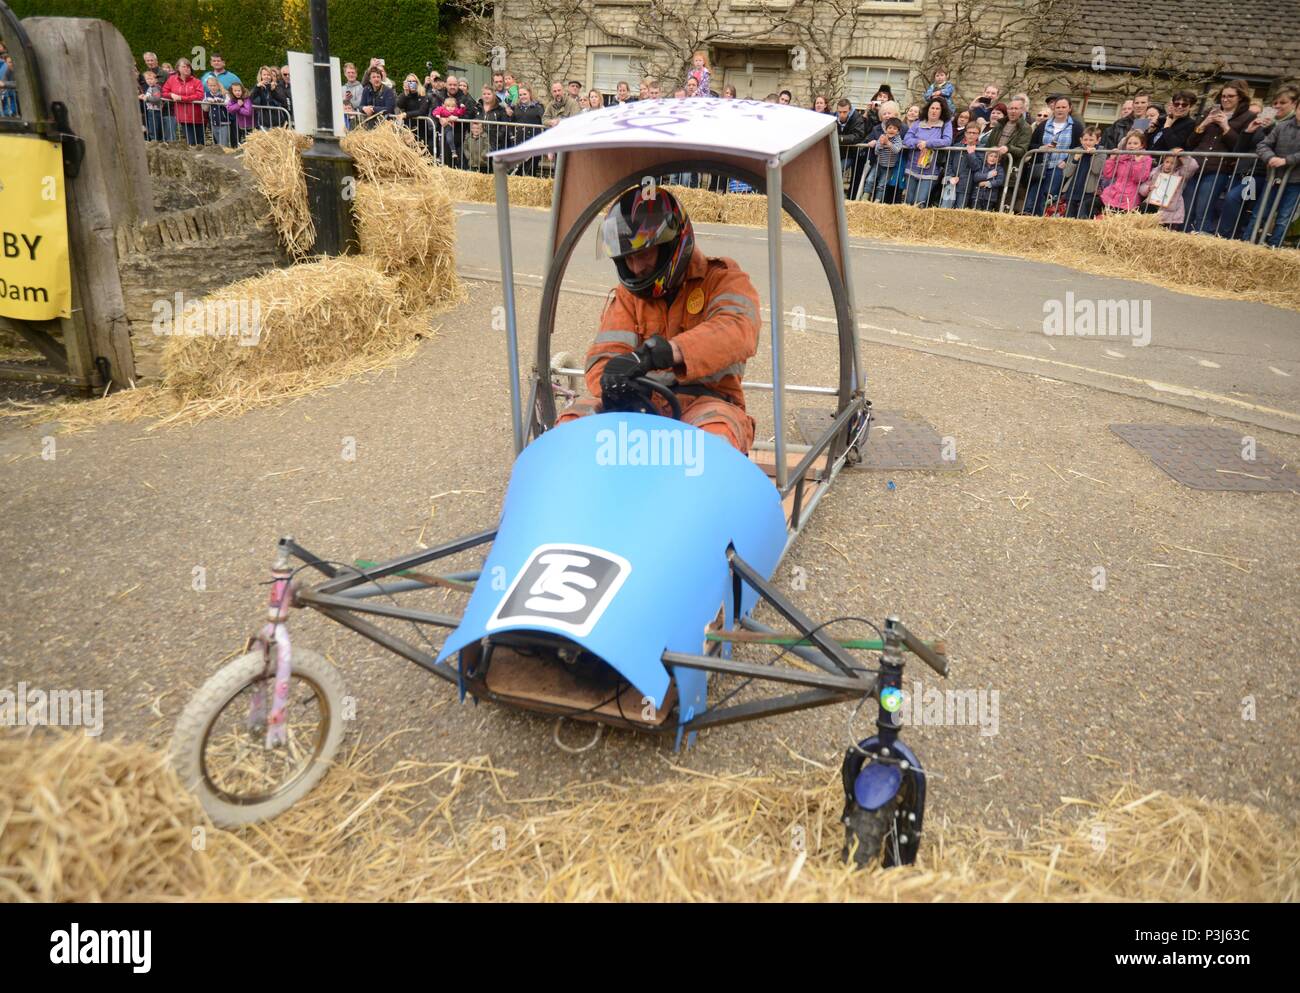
{"type": "Point", "coordinates": [680, 317]}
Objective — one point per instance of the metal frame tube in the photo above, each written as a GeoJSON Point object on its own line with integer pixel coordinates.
{"type": "Point", "coordinates": [797, 677]}
{"type": "Point", "coordinates": [858, 380]}
{"type": "Point", "coordinates": [360, 576]}
{"type": "Point", "coordinates": [778, 313]}
{"type": "Point", "coordinates": [805, 652]}
{"type": "Point", "coordinates": [311, 598]}
{"type": "Point", "coordinates": [508, 292]}
{"type": "Point", "coordinates": [348, 618]}
{"type": "Point", "coordinates": [747, 384]}
{"type": "Point", "coordinates": [792, 153]}
{"type": "Point", "coordinates": [802, 623]}
{"type": "Point", "coordinates": [771, 707]}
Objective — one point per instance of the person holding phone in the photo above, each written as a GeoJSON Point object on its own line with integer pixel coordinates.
{"type": "Point", "coordinates": [1220, 130]}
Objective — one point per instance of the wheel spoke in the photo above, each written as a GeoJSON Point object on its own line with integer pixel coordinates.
{"type": "Point", "coordinates": [235, 758]}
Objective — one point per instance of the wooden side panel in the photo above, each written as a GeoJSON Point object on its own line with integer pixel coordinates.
{"type": "Point", "coordinates": [86, 64]}
{"type": "Point", "coordinates": [587, 173]}
{"type": "Point", "coordinates": [816, 191]}
{"type": "Point", "coordinates": [808, 181]}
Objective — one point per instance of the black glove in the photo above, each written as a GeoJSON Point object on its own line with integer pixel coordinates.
{"type": "Point", "coordinates": [656, 353]}
{"type": "Point", "coordinates": [617, 387]}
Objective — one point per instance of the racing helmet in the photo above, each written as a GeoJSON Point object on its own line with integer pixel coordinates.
{"type": "Point", "coordinates": [639, 220]}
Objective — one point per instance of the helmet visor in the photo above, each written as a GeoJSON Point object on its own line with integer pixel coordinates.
{"type": "Point", "coordinates": [648, 223]}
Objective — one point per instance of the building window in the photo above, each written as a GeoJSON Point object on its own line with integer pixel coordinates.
{"type": "Point", "coordinates": [863, 79]}
{"type": "Point", "coordinates": [607, 67]}
{"type": "Point", "coordinates": [1101, 112]}
{"type": "Point", "coordinates": [890, 7]}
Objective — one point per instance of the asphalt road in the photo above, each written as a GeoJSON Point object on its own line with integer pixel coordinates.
{"type": "Point", "coordinates": [133, 560]}
{"type": "Point", "coordinates": [1222, 357]}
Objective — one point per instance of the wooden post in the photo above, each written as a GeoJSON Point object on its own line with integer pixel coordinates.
{"type": "Point", "coordinates": [86, 65]}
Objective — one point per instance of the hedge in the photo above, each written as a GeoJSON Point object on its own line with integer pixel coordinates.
{"type": "Point", "coordinates": [249, 33]}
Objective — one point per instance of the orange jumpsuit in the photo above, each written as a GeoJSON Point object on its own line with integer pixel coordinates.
{"type": "Point", "coordinates": [714, 318]}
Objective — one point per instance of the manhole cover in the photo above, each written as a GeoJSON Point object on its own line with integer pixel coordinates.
{"type": "Point", "coordinates": [1205, 458]}
{"type": "Point", "coordinates": [897, 440]}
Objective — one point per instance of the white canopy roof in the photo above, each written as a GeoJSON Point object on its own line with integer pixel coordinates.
{"type": "Point", "coordinates": [748, 128]}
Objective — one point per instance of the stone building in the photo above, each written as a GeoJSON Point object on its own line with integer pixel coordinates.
{"type": "Point", "coordinates": [850, 47]}
{"type": "Point", "coordinates": [1188, 44]}
{"type": "Point", "coordinates": [836, 47]}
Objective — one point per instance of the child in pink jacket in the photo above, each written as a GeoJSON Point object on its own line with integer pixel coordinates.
{"type": "Point", "coordinates": [1171, 215]}
{"type": "Point", "coordinates": [700, 73]}
{"type": "Point", "coordinates": [1126, 173]}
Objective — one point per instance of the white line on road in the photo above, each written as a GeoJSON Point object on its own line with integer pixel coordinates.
{"type": "Point", "coordinates": [1150, 384]}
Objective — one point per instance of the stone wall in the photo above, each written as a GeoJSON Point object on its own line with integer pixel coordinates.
{"type": "Point", "coordinates": [212, 228]}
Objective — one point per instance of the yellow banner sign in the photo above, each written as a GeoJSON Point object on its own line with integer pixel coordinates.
{"type": "Point", "coordinates": [35, 282]}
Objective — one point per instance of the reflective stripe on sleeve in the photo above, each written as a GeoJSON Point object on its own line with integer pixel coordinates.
{"type": "Point", "coordinates": [735, 369]}
{"type": "Point", "coordinates": [629, 338]}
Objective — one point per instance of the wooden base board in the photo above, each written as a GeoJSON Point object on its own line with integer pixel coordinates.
{"type": "Point", "coordinates": [809, 490]}
{"type": "Point", "coordinates": [549, 684]}
{"type": "Point", "coordinates": [766, 461]}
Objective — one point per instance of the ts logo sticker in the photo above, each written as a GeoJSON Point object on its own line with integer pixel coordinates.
{"type": "Point", "coordinates": [566, 587]}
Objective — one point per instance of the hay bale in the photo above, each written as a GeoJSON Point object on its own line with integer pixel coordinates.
{"type": "Point", "coordinates": [430, 288]}
{"type": "Point", "coordinates": [702, 206]}
{"type": "Point", "coordinates": [400, 223]}
{"type": "Point", "coordinates": [751, 209]}
{"type": "Point", "coordinates": [388, 151]}
{"type": "Point", "coordinates": [274, 158]}
{"type": "Point", "coordinates": [480, 187]}
{"type": "Point", "coordinates": [525, 191]}
{"type": "Point", "coordinates": [409, 229]}
{"type": "Point", "coordinates": [100, 820]}
{"type": "Point", "coordinates": [317, 323]}
{"type": "Point", "coordinates": [89, 823]}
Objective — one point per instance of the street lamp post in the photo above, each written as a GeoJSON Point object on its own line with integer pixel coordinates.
{"type": "Point", "coordinates": [330, 182]}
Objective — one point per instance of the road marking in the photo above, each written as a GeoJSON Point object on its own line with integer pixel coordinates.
{"type": "Point", "coordinates": [1151, 384]}
{"type": "Point", "coordinates": [1208, 364]}
{"type": "Point", "coordinates": [1278, 371]}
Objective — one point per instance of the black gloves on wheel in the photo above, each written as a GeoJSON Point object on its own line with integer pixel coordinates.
{"type": "Point", "coordinates": [618, 388]}
{"type": "Point", "coordinates": [656, 352]}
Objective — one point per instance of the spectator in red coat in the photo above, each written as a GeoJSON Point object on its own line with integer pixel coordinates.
{"type": "Point", "coordinates": [186, 93]}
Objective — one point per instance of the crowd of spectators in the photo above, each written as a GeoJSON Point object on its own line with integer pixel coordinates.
{"type": "Point", "coordinates": [1224, 168]}
{"type": "Point", "coordinates": [1216, 164]}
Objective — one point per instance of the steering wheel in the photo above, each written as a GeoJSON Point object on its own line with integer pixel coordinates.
{"type": "Point", "coordinates": [674, 404]}
{"type": "Point", "coordinates": [646, 386]}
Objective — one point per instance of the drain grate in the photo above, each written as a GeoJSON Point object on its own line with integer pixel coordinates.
{"type": "Point", "coordinates": [1210, 458]}
{"type": "Point", "coordinates": [897, 440]}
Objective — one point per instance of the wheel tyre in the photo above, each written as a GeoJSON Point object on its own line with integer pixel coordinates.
{"type": "Point", "coordinates": [864, 834]}
{"type": "Point", "coordinates": [211, 699]}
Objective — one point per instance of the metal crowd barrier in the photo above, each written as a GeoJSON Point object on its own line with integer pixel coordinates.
{"type": "Point", "coordinates": [220, 126]}
{"type": "Point", "coordinates": [947, 179]}
{"type": "Point", "coordinates": [1229, 194]}
{"type": "Point", "coordinates": [465, 143]}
